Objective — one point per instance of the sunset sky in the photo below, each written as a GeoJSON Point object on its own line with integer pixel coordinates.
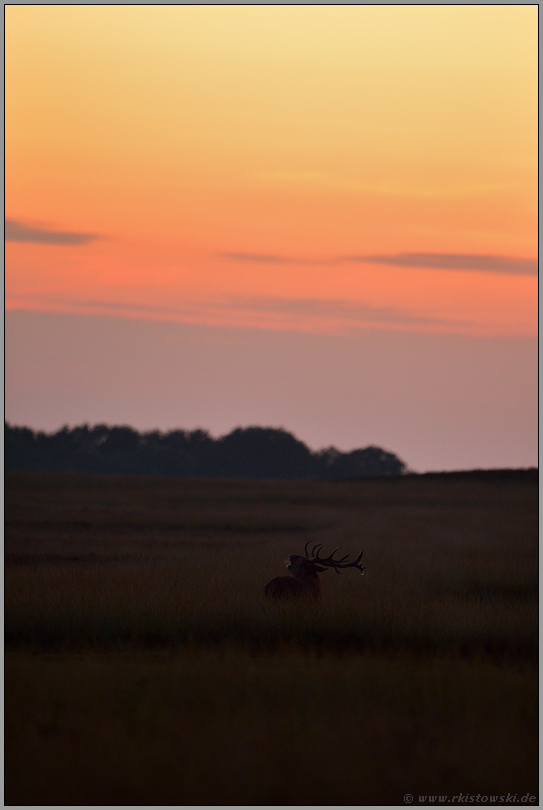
{"type": "Point", "coordinates": [316, 217]}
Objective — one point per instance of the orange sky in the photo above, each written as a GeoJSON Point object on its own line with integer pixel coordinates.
{"type": "Point", "coordinates": [237, 165]}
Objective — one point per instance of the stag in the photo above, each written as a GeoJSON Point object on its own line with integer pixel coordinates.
{"type": "Point", "coordinates": [305, 574]}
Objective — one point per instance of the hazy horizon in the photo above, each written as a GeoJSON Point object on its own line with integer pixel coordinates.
{"type": "Point", "coordinates": [392, 389]}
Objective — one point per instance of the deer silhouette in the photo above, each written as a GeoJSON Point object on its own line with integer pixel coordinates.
{"type": "Point", "coordinates": [305, 571]}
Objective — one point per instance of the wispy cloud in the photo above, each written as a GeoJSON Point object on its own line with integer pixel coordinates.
{"type": "Point", "coordinates": [20, 232]}
{"type": "Point", "coordinates": [476, 262]}
{"type": "Point", "coordinates": [455, 261]}
{"type": "Point", "coordinates": [259, 258]}
{"type": "Point", "coordinates": [341, 310]}
{"type": "Point", "coordinates": [271, 258]}
{"type": "Point", "coordinates": [295, 310]}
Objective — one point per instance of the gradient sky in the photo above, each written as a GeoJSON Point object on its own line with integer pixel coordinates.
{"type": "Point", "coordinates": [303, 177]}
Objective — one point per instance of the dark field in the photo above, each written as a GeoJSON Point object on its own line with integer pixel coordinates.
{"type": "Point", "coordinates": [143, 665]}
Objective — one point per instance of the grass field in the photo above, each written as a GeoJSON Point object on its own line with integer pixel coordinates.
{"type": "Point", "coordinates": [144, 666]}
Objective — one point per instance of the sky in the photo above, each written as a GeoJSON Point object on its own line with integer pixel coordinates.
{"type": "Point", "coordinates": [316, 217]}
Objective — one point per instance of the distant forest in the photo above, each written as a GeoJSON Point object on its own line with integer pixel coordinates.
{"type": "Point", "coordinates": [253, 452]}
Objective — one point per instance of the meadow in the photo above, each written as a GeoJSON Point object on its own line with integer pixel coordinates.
{"type": "Point", "coordinates": [144, 666]}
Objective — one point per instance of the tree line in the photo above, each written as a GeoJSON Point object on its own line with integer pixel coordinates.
{"type": "Point", "coordinates": [252, 452]}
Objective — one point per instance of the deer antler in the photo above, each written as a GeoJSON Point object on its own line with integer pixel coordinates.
{"type": "Point", "coordinates": [315, 548]}
{"type": "Point", "coordinates": [335, 564]}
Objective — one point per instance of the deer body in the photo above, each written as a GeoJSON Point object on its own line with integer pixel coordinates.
{"type": "Point", "coordinates": [282, 587]}
{"type": "Point", "coordinates": [305, 571]}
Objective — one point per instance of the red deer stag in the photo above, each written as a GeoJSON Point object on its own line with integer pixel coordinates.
{"type": "Point", "coordinates": [305, 574]}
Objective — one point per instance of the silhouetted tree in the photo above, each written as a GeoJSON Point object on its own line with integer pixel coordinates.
{"type": "Point", "coordinates": [371, 461]}
{"type": "Point", "coordinates": [256, 452]}
{"type": "Point", "coordinates": [252, 452]}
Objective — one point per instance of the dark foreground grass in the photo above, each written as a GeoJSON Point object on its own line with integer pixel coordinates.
{"type": "Point", "coordinates": [145, 667]}
{"type": "Point", "coordinates": [223, 726]}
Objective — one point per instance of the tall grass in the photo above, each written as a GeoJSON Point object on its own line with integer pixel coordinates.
{"type": "Point", "coordinates": [108, 561]}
